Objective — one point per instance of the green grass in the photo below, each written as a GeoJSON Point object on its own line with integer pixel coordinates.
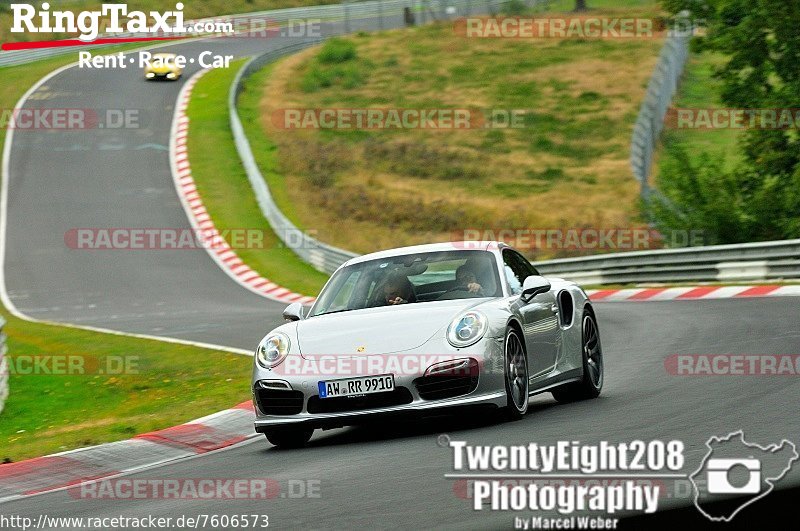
{"type": "Point", "coordinates": [264, 149]}
{"type": "Point", "coordinates": [168, 384]}
{"type": "Point", "coordinates": [226, 192]}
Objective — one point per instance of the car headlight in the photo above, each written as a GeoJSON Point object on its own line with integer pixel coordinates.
{"type": "Point", "coordinates": [272, 350]}
{"type": "Point", "coordinates": [467, 329]}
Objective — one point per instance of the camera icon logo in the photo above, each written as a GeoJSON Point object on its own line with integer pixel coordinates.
{"type": "Point", "coordinates": [736, 473]}
{"type": "Point", "coordinates": [719, 474]}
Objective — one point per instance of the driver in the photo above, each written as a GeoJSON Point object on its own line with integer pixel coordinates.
{"type": "Point", "coordinates": [465, 278]}
{"type": "Point", "coordinates": [396, 290]}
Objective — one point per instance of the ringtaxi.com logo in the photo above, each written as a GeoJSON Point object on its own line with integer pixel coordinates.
{"type": "Point", "coordinates": [111, 18]}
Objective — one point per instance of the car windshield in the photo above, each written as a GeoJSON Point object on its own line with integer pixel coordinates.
{"type": "Point", "coordinates": [410, 279]}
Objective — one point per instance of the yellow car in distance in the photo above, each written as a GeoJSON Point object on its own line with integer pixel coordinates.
{"type": "Point", "coordinates": [163, 66]}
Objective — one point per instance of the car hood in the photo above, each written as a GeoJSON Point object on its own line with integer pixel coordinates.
{"type": "Point", "coordinates": [383, 330]}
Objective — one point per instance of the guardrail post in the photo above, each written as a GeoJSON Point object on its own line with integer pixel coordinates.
{"type": "Point", "coordinates": [380, 14]}
{"type": "Point", "coordinates": [346, 16]}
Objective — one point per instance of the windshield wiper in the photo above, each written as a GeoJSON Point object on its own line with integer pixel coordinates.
{"type": "Point", "coordinates": [334, 311]}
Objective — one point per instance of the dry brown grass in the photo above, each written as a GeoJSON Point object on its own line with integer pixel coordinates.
{"type": "Point", "coordinates": [368, 190]}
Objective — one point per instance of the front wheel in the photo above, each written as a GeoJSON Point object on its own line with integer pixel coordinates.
{"type": "Point", "coordinates": [516, 375]}
{"type": "Point", "coordinates": [290, 437]}
{"type": "Point", "coordinates": [592, 352]}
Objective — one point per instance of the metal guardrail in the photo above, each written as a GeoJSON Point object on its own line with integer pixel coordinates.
{"type": "Point", "coordinates": [761, 261]}
{"type": "Point", "coordinates": [660, 90]}
{"type": "Point", "coordinates": [321, 256]}
{"type": "Point", "coordinates": [3, 366]}
{"type": "Point", "coordinates": [373, 15]}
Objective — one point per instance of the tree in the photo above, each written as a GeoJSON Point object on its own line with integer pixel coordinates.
{"type": "Point", "coordinates": [580, 5]}
{"type": "Point", "coordinates": [762, 42]}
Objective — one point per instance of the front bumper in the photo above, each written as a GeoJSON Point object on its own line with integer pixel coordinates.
{"type": "Point", "coordinates": [171, 75]}
{"type": "Point", "coordinates": [296, 399]}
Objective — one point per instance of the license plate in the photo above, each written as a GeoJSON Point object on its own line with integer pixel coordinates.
{"type": "Point", "coordinates": [364, 385]}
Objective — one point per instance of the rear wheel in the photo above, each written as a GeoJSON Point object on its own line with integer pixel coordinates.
{"type": "Point", "coordinates": [290, 437]}
{"type": "Point", "coordinates": [516, 372]}
{"type": "Point", "coordinates": [592, 351]}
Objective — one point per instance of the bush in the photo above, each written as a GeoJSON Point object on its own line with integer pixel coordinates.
{"type": "Point", "coordinates": [337, 51]}
{"type": "Point", "coordinates": [515, 7]}
{"type": "Point", "coordinates": [422, 161]}
{"type": "Point", "coordinates": [734, 207]}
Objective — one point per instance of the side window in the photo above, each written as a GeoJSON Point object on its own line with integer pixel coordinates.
{"type": "Point", "coordinates": [515, 270]}
{"type": "Point", "coordinates": [345, 292]}
{"type": "Point", "coordinates": [525, 265]}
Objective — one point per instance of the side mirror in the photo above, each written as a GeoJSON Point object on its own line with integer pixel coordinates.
{"type": "Point", "coordinates": [293, 312]}
{"type": "Point", "coordinates": [533, 286]}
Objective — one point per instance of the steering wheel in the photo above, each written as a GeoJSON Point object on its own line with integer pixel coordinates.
{"type": "Point", "coordinates": [456, 288]}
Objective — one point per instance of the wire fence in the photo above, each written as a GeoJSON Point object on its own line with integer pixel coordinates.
{"type": "Point", "coordinates": [660, 91]}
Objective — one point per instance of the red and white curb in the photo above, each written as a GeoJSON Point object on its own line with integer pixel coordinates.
{"type": "Point", "coordinates": [215, 244]}
{"type": "Point", "coordinates": [693, 293]}
{"type": "Point", "coordinates": [68, 469]}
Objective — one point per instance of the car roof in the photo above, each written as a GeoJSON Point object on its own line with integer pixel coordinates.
{"type": "Point", "coordinates": [430, 248]}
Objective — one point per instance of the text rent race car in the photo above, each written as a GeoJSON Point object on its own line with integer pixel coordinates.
{"type": "Point", "coordinates": [419, 329]}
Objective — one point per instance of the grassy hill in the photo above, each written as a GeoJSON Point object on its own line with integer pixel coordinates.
{"type": "Point", "coordinates": [567, 166]}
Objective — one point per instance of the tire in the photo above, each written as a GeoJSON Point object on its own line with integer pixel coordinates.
{"type": "Point", "coordinates": [286, 438]}
{"type": "Point", "coordinates": [592, 353]}
{"type": "Point", "coordinates": [516, 375]}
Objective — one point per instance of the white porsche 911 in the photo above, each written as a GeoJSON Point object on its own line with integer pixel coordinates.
{"type": "Point", "coordinates": [418, 330]}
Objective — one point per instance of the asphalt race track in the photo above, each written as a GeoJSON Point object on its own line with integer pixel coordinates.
{"type": "Point", "coordinates": [118, 178]}
{"type": "Point", "coordinates": [376, 478]}
{"type": "Point", "coordinates": [394, 477]}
